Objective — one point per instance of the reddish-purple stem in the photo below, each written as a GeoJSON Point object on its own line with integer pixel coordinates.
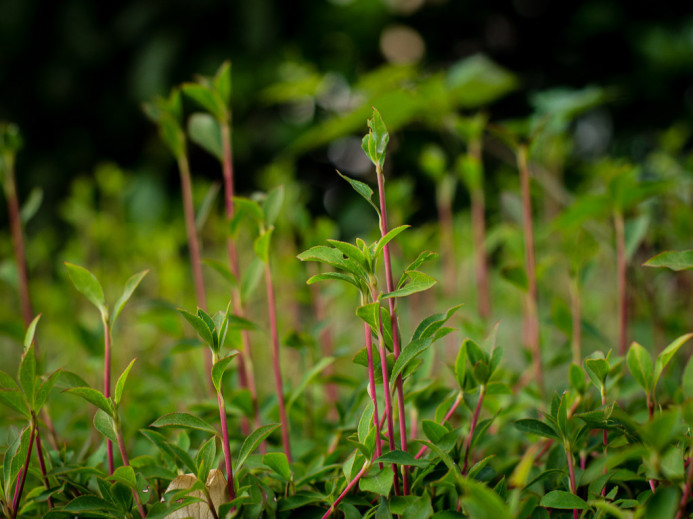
{"type": "Point", "coordinates": [271, 305]}
{"type": "Point", "coordinates": [226, 447]}
{"type": "Point", "coordinates": [447, 417]}
{"type": "Point", "coordinates": [371, 387]}
{"type": "Point", "coordinates": [472, 427]}
{"type": "Point", "coordinates": [126, 462]}
{"type": "Point", "coordinates": [348, 488]}
{"type": "Point", "coordinates": [107, 386]}
{"type": "Point", "coordinates": [571, 471]}
{"type": "Point", "coordinates": [395, 328]}
{"type": "Point", "coordinates": [22, 475]}
{"type": "Point", "coordinates": [42, 465]}
{"type": "Point", "coordinates": [686, 492]}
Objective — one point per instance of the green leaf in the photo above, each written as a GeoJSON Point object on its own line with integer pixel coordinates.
{"type": "Point", "coordinates": [365, 422]}
{"type": "Point", "coordinates": [362, 189]}
{"type": "Point", "coordinates": [324, 254]}
{"type": "Point", "coordinates": [272, 205]}
{"type": "Point", "coordinates": [461, 365]}
{"type": "Point", "coordinates": [183, 421]}
{"type": "Point", "coordinates": [433, 323]}
{"type": "Point", "coordinates": [199, 325]}
{"type": "Point", "coordinates": [379, 483]}
{"type": "Point", "coordinates": [120, 384]}
{"type": "Point", "coordinates": [562, 500]}
{"type": "Point", "coordinates": [262, 245]}
{"type": "Point", "coordinates": [219, 369]}
{"type": "Point", "coordinates": [419, 509]}
{"type": "Point", "coordinates": [252, 441]}
{"type": "Point", "coordinates": [27, 375]}
{"type": "Point", "coordinates": [278, 462]}
{"type": "Point", "coordinates": [205, 131]}
{"type": "Point", "coordinates": [86, 284]}
{"type": "Point", "coordinates": [369, 314]}
{"type": "Point", "coordinates": [640, 365]}
{"type": "Point", "coordinates": [130, 286]}
{"type": "Point", "coordinates": [105, 425]}
{"type": "Point", "coordinates": [440, 453]}
{"type": "Point", "coordinates": [31, 332]}
{"type": "Point", "coordinates": [221, 268]}
{"type": "Point", "coordinates": [15, 456]}
{"type": "Point", "coordinates": [170, 449]}
{"type": "Point", "coordinates": [408, 354]}
{"type": "Point", "coordinates": [422, 258]}
{"type": "Point", "coordinates": [333, 275]}
{"type": "Point", "coordinates": [92, 396]}
{"type": "Point", "coordinates": [598, 370]}
{"type": "Point", "coordinates": [577, 378]}
{"type": "Point", "coordinates": [399, 457]}
{"type": "Point", "coordinates": [673, 260]}
{"type": "Point", "coordinates": [383, 511]}
{"type": "Point", "coordinates": [251, 277]}
{"type": "Point", "coordinates": [126, 476]}
{"type": "Point", "coordinates": [687, 379]}
{"type": "Point", "coordinates": [205, 458]}
{"type": "Point", "coordinates": [375, 142]}
{"type": "Point", "coordinates": [206, 98]}
{"type": "Point", "coordinates": [89, 505]}
{"type": "Point", "coordinates": [433, 430]}
{"type": "Point", "coordinates": [516, 275]}
{"type": "Point", "coordinates": [307, 379]}
{"type": "Point", "coordinates": [352, 252]}
{"type": "Point", "coordinates": [481, 501]}
{"type": "Point", "coordinates": [666, 355]}
{"type": "Point", "coordinates": [412, 281]}
{"type": "Point", "coordinates": [532, 426]}
{"type": "Point", "coordinates": [391, 235]}
{"type": "Point", "coordinates": [222, 82]}
{"type": "Point", "coordinates": [663, 503]}
{"type": "Point", "coordinates": [44, 389]}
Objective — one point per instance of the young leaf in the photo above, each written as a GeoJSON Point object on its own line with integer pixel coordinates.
{"type": "Point", "coordinates": [206, 98]}
{"type": "Point", "coordinates": [183, 421]}
{"type": "Point", "coordinates": [120, 384]}
{"type": "Point", "coordinates": [86, 283]}
{"type": "Point", "coordinates": [11, 395]}
{"type": "Point", "coordinates": [375, 142]}
{"type": "Point", "coordinates": [432, 324]}
{"type": "Point", "coordinates": [673, 260]}
{"type": "Point", "coordinates": [417, 282]}
{"type": "Point", "coordinates": [205, 131]}
{"type": "Point", "coordinates": [562, 500]}
{"type": "Point", "coordinates": [380, 483]}
{"type": "Point", "coordinates": [391, 235]}
{"type": "Point", "coordinates": [44, 389]}
{"type": "Point", "coordinates": [324, 254]}
{"type": "Point", "coordinates": [126, 476]}
{"type": "Point", "coordinates": [252, 441]}
{"type": "Point", "coordinates": [369, 314]}
{"type": "Point", "coordinates": [92, 396]}
{"type": "Point", "coordinates": [666, 355]}
{"type": "Point", "coordinates": [598, 370]}
{"type": "Point", "coordinates": [402, 458]}
{"type": "Point", "coordinates": [262, 245]}
{"type": "Point", "coordinates": [277, 462]}
{"type": "Point", "coordinates": [130, 286]}
{"type": "Point", "coordinates": [362, 189]}
{"type": "Point", "coordinates": [532, 426]}
{"type": "Point", "coordinates": [333, 275]}
{"type": "Point", "coordinates": [640, 365]}
{"type": "Point", "coordinates": [272, 205]}
{"type": "Point", "coordinates": [219, 369]}
{"type": "Point", "coordinates": [422, 258]}
{"type": "Point", "coordinates": [105, 425]}
{"type": "Point", "coordinates": [27, 375]}
{"type": "Point", "coordinates": [433, 430]}
{"type": "Point", "coordinates": [205, 457]}
{"type": "Point", "coordinates": [408, 354]}
{"type": "Point", "coordinates": [365, 422]}
{"type": "Point", "coordinates": [200, 326]}
{"type": "Point", "coordinates": [222, 82]}
{"type": "Point", "coordinates": [31, 332]}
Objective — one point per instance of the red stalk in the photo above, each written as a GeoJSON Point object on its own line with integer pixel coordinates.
{"type": "Point", "coordinates": [571, 471]}
{"type": "Point", "coordinates": [348, 488]}
{"type": "Point", "coordinates": [22, 475]}
{"type": "Point", "coordinates": [371, 386]}
{"type": "Point", "coordinates": [447, 417]}
{"type": "Point", "coordinates": [686, 492]}
{"type": "Point", "coordinates": [225, 445]}
{"type": "Point", "coordinates": [275, 360]}
{"type": "Point", "coordinates": [472, 427]}
{"type": "Point", "coordinates": [42, 465]}
{"type": "Point", "coordinates": [395, 328]}
{"type": "Point", "coordinates": [107, 385]}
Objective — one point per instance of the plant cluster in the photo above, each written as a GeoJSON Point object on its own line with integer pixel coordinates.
{"type": "Point", "coordinates": [398, 417]}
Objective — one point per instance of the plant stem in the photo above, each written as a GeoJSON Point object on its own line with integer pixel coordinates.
{"type": "Point", "coordinates": [42, 465]}
{"type": "Point", "coordinates": [395, 328]}
{"type": "Point", "coordinates": [348, 488]}
{"type": "Point", "coordinates": [447, 417]}
{"type": "Point", "coordinates": [479, 236]}
{"type": "Point", "coordinates": [604, 436]}
{"type": "Point", "coordinates": [271, 306]}
{"type": "Point", "coordinates": [472, 427]}
{"type": "Point", "coordinates": [18, 241]}
{"type": "Point", "coordinates": [571, 471]}
{"type": "Point", "coordinates": [388, 399]}
{"type": "Point", "coordinates": [225, 444]}
{"type": "Point", "coordinates": [193, 243]}
{"type": "Point", "coordinates": [371, 387]}
{"type": "Point", "coordinates": [531, 308]}
{"type": "Point", "coordinates": [621, 274]}
{"type": "Point", "coordinates": [24, 472]}
{"type": "Point", "coordinates": [686, 491]}
{"type": "Point", "coordinates": [107, 384]}
{"type": "Point", "coordinates": [126, 462]}
{"type": "Point", "coordinates": [246, 376]}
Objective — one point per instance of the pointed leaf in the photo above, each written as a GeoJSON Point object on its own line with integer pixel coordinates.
{"type": "Point", "coordinates": [222, 82]}
{"type": "Point", "coordinates": [120, 384]}
{"type": "Point", "coordinates": [262, 245]}
{"type": "Point", "coordinates": [433, 430]}
{"type": "Point", "coordinates": [307, 379]}
{"type": "Point", "coordinates": [324, 254]}
{"type": "Point", "coordinates": [422, 258]}
{"type": "Point", "coordinates": [362, 189]}
{"type": "Point", "coordinates": [332, 275]}
{"type": "Point", "coordinates": [219, 369]}
{"type": "Point", "coordinates": [673, 260]}
{"type": "Point", "coordinates": [45, 388]}
{"type": "Point", "coordinates": [86, 284]}
{"type": "Point", "coordinates": [199, 325]}
{"type": "Point", "coordinates": [667, 354]}
{"type": "Point", "coordinates": [412, 281]}
{"type": "Point", "coordinates": [206, 98]}
{"type": "Point", "coordinates": [432, 324]}
{"type": "Point", "coordinates": [105, 425]}
{"type": "Point", "coordinates": [222, 269]}
{"type": "Point", "coordinates": [379, 483]}
{"type": "Point", "coordinates": [399, 457]}
{"type": "Point", "coordinates": [562, 500]}
{"type": "Point", "coordinates": [92, 396]}
{"type": "Point", "coordinates": [278, 462]}
{"type": "Point", "coordinates": [27, 375]}
{"type": "Point", "coordinates": [205, 131]}
{"type": "Point", "coordinates": [272, 205]}
{"type": "Point", "coordinates": [598, 370]}
{"type": "Point", "coordinates": [369, 314]}
{"type": "Point", "coordinates": [640, 365]}
{"type": "Point", "coordinates": [130, 286]}
{"type": "Point", "coordinates": [126, 476]}
{"type": "Point", "coordinates": [252, 441]}
{"type": "Point", "coordinates": [391, 235]}
{"type": "Point", "coordinates": [183, 421]}
{"type": "Point", "coordinates": [408, 354]}
{"type": "Point", "coordinates": [30, 332]}
{"type": "Point", "coordinates": [532, 426]}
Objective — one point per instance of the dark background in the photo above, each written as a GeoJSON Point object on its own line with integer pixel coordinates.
{"type": "Point", "coordinates": [74, 72]}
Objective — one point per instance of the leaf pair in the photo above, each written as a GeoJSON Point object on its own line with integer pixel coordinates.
{"type": "Point", "coordinates": [212, 330]}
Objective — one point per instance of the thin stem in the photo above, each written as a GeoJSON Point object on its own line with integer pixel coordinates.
{"type": "Point", "coordinates": [271, 306]}
{"type": "Point", "coordinates": [604, 436]}
{"type": "Point", "coordinates": [348, 488]}
{"type": "Point", "coordinates": [25, 470]}
{"type": "Point", "coordinates": [621, 274]}
{"type": "Point", "coordinates": [479, 236]}
{"type": "Point", "coordinates": [246, 376]}
{"type": "Point", "coordinates": [126, 462]}
{"type": "Point", "coordinates": [107, 385]}
{"type": "Point", "coordinates": [686, 491]}
{"type": "Point", "coordinates": [371, 387]}
{"type": "Point", "coordinates": [531, 309]}
{"type": "Point", "coordinates": [18, 242]}
{"type": "Point", "coordinates": [395, 328]}
{"type": "Point", "coordinates": [472, 427]}
{"type": "Point", "coordinates": [447, 417]}
{"type": "Point", "coordinates": [571, 471]}
{"type": "Point", "coordinates": [42, 465]}
{"type": "Point", "coordinates": [226, 447]}
{"type": "Point", "coordinates": [193, 243]}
